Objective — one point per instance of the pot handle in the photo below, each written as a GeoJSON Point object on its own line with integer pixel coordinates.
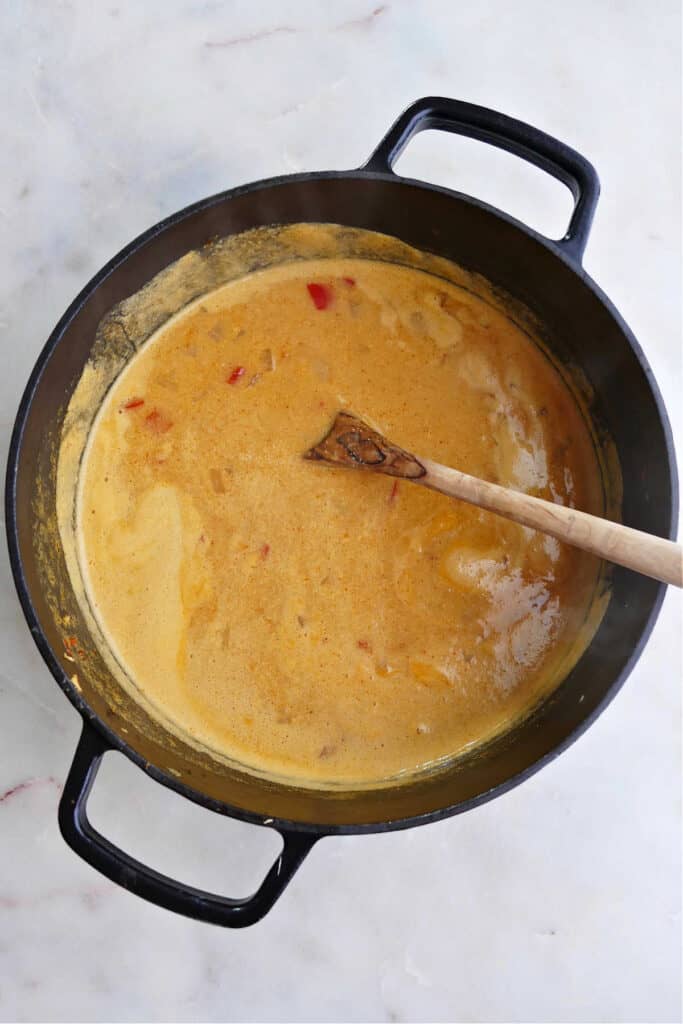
{"type": "Point", "coordinates": [475, 122]}
{"type": "Point", "coordinates": [89, 844]}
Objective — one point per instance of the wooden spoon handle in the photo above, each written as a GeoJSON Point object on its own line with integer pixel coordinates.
{"type": "Point", "coordinates": [653, 556]}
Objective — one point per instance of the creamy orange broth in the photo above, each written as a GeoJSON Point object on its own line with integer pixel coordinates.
{"type": "Point", "coordinates": [331, 625]}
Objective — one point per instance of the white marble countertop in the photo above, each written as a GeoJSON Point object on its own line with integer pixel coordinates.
{"type": "Point", "coordinates": [557, 902]}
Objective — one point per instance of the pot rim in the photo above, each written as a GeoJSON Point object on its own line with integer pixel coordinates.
{"type": "Point", "coordinates": [559, 251]}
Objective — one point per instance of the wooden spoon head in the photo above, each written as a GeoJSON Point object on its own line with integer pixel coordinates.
{"type": "Point", "coordinates": [352, 443]}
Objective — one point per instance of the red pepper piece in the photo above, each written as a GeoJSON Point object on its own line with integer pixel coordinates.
{"type": "Point", "coordinates": [350, 281]}
{"type": "Point", "coordinates": [264, 551]}
{"type": "Point", "coordinates": [394, 492]}
{"type": "Point", "coordinates": [133, 403]}
{"type": "Point", "coordinates": [365, 645]}
{"type": "Point", "coordinates": [238, 372]}
{"type": "Point", "coordinates": [320, 294]}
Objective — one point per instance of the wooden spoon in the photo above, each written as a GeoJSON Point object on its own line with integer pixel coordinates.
{"type": "Point", "coordinates": [354, 444]}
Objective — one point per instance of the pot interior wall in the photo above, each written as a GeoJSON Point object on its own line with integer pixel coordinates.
{"type": "Point", "coordinates": [580, 329]}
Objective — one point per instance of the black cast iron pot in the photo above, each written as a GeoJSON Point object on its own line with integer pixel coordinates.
{"type": "Point", "coordinates": [583, 329]}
